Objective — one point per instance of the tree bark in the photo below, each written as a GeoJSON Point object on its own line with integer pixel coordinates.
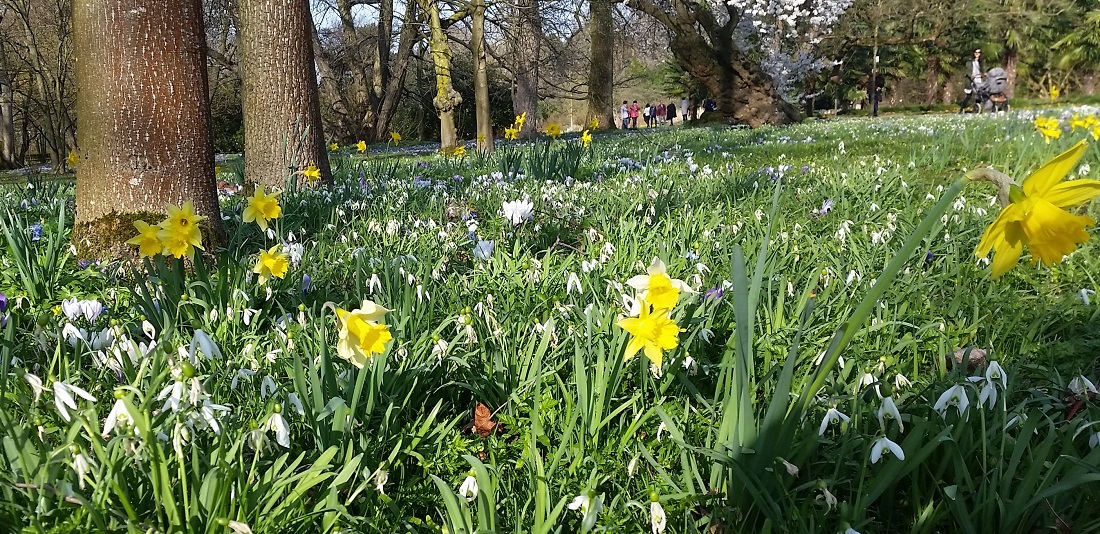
{"type": "Point", "coordinates": [931, 78]}
{"type": "Point", "coordinates": [485, 142]}
{"type": "Point", "coordinates": [1012, 60]}
{"type": "Point", "coordinates": [7, 116]}
{"type": "Point", "coordinates": [282, 112]}
{"type": "Point", "coordinates": [446, 98]}
{"type": "Point", "coordinates": [601, 65]}
{"type": "Point", "coordinates": [144, 120]}
{"type": "Point", "coordinates": [395, 85]}
{"type": "Point", "coordinates": [526, 48]}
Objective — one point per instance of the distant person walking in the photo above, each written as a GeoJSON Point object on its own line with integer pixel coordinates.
{"type": "Point", "coordinates": [684, 109]}
{"type": "Point", "coordinates": [671, 110]}
{"type": "Point", "coordinates": [635, 110]}
{"type": "Point", "coordinates": [645, 115]}
{"type": "Point", "coordinates": [661, 112]}
{"type": "Point", "coordinates": [624, 114]}
{"type": "Point", "coordinates": [975, 71]}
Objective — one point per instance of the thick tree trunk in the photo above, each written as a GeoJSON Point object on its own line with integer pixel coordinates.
{"type": "Point", "coordinates": [396, 84]}
{"type": "Point", "coordinates": [1012, 60]}
{"type": "Point", "coordinates": [526, 50]}
{"type": "Point", "coordinates": [931, 79]}
{"type": "Point", "coordinates": [446, 98]}
{"type": "Point", "coordinates": [282, 113]}
{"type": "Point", "coordinates": [485, 143]}
{"type": "Point", "coordinates": [601, 65]}
{"type": "Point", "coordinates": [743, 92]}
{"type": "Point", "coordinates": [144, 120]}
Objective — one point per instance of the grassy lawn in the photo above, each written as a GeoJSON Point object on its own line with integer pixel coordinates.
{"type": "Point", "coordinates": [509, 327]}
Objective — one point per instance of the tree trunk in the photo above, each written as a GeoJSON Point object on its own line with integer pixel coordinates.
{"type": "Point", "coordinates": [601, 65]}
{"type": "Point", "coordinates": [526, 48]}
{"type": "Point", "coordinates": [395, 86]}
{"type": "Point", "coordinates": [282, 114]}
{"type": "Point", "coordinates": [144, 120]}
{"type": "Point", "coordinates": [931, 78]}
{"type": "Point", "coordinates": [7, 118]}
{"type": "Point", "coordinates": [1012, 60]}
{"type": "Point", "coordinates": [743, 92]}
{"type": "Point", "coordinates": [485, 143]}
{"type": "Point", "coordinates": [446, 98]}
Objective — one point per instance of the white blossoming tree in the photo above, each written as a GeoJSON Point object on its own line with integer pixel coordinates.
{"type": "Point", "coordinates": [747, 53]}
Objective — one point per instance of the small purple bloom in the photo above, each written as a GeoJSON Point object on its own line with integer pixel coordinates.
{"type": "Point", "coordinates": [307, 281]}
{"type": "Point", "coordinates": [714, 294]}
{"type": "Point", "coordinates": [825, 208]}
{"type": "Point", "coordinates": [805, 169]}
{"type": "Point", "coordinates": [691, 255]}
{"type": "Point", "coordinates": [929, 257]}
{"type": "Point", "coordinates": [36, 231]}
{"type": "Point", "coordinates": [83, 264]}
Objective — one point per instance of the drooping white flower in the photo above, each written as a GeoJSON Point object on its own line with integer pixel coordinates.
{"type": "Point", "coordinates": [63, 398]}
{"type": "Point", "coordinates": [657, 518]}
{"type": "Point", "coordinates": [883, 445]}
{"type": "Point", "coordinates": [381, 476]}
{"type": "Point", "coordinates": [900, 381]}
{"type": "Point", "coordinates": [295, 403]}
{"type": "Point", "coordinates": [36, 385]}
{"type": "Point", "coordinates": [242, 374]}
{"type": "Point", "coordinates": [119, 416]}
{"type": "Point", "coordinates": [889, 410]}
{"type": "Point", "coordinates": [573, 283]}
{"type": "Point", "coordinates": [172, 395]}
{"type": "Point", "coordinates": [1081, 386]}
{"type": "Point", "coordinates": [994, 373]}
{"type": "Point", "coordinates": [954, 396]}
{"type": "Point", "coordinates": [239, 528]}
{"type": "Point", "coordinates": [468, 489]}
{"type": "Point", "coordinates": [1084, 294]}
{"type": "Point", "coordinates": [632, 467]}
{"type": "Point", "coordinates": [82, 465]}
{"type": "Point", "coordinates": [831, 416]}
{"type": "Point", "coordinates": [209, 413]}
{"type": "Point", "coordinates": [148, 329]}
{"type": "Point", "coordinates": [276, 424]}
{"type": "Point", "coordinates": [267, 387]}
{"type": "Point", "coordinates": [589, 506]}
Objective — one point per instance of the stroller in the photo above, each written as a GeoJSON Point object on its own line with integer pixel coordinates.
{"type": "Point", "coordinates": [989, 94]}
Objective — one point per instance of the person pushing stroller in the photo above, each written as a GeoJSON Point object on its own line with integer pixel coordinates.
{"type": "Point", "coordinates": [987, 89]}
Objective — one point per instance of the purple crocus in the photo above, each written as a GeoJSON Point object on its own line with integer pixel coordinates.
{"type": "Point", "coordinates": [3, 310]}
{"type": "Point", "coordinates": [714, 294]}
{"type": "Point", "coordinates": [36, 231]}
{"type": "Point", "coordinates": [824, 210]}
{"type": "Point", "coordinates": [307, 281]}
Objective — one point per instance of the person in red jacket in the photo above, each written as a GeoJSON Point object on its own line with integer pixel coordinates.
{"type": "Point", "coordinates": [635, 110]}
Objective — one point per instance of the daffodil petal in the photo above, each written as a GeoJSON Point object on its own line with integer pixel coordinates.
{"type": "Point", "coordinates": [1006, 258]}
{"type": "Point", "coordinates": [654, 353]}
{"type": "Point", "coordinates": [1072, 193]}
{"type": "Point", "coordinates": [1040, 182]}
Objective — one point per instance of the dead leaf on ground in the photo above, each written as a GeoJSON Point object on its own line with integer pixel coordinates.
{"type": "Point", "coordinates": [483, 420]}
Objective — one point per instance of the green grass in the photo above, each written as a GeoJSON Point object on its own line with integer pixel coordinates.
{"type": "Point", "coordinates": [706, 434]}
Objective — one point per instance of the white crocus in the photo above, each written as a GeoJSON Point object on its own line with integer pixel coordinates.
{"type": "Point", "coordinates": [889, 410]}
{"type": "Point", "coordinates": [468, 489]}
{"type": "Point", "coordinates": [518, 211]}
{"type": "Point", "coordinates": [831, 416]}
{"type": "Point", "coordinates": [63, 398]}
{"type": "Point", "coordinates": [883, 445]}
{"type": "Point", "coordinates": [954, 396]}
{"type": "Point", "coordinates": [1081, 386]}
{"type": "Point", "coordinates": [657, 518]}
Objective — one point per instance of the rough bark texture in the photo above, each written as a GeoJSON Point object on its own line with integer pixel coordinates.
{"type": "Point", "coordinates": [144, 119]}
{"type": "Point", "coordinates": [601, 65]}
{"type": "Point", "coordinates": [526, 50]}
{"type": "Point", "coordinates": [446, 98]}
{"type": "Point", "coordinates": [7, 118]}
{"type": "Point", "coordinates": [1012, 60]}
{"type": "Point", "coordinates": [282, 113]}
{"type": "Point", "coordinates": [485, 142]}
{"type": "Point", "coordinates": [931, 79]}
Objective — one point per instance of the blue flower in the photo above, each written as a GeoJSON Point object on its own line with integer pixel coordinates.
{"type": "Point", "coordinates": [307, 281]}
{"type": "Point", "coordinates": [36, 231]}
{"type": "Point", "coordinates": [714, 294]}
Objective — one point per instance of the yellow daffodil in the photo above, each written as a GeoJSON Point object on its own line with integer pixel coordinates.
{"type": "Point", "coordinates": [511, 133]}
{"type": "Point", "coordinates": [1078, 122]}
{"type": "Point", "coordinates": [272, 262]}
{"type": "Point", "coordinates": [262, 208]}
{"type": "Point", "coordinates": [179, 233]}
{"type": "Point", "coordinates": [1049, 127]}
{"type": "Point", "coordinates": [334, 147]}
{"type": "Point", "coordinates": [361, 333]}
{"type": "Point", "coordinates": [1096, 133]}
{"type": "Point", "coordinates": [312, 173]}
{"type": "Point", "coordinates": [361, 146]}
{"type": "Point", "coordinates": [480, 139]}
{"type": "Point", "coordinates": [521, 119]}
{"type": "Point", "coordinates": [652, 332]}
{"type": "Point", "coordinates": [553, 130]}
{"type": "Point", "coordinates": [657, 288]}
{"type": "Point", "coordinates": [1054, 92]}
{"type": "Point", "coordinates": [73, 159]}
{"type": "Point", "coordinates": [1036, 217]}
{"type": "Point", "coordinates": [586, 138]}
{"type": "Point", "coordinates": [594, 124]}
{"type": "Point", "coordinates": [147, 241]}
{"type": "Point", "coordinates": [459, 151]}
{"type": "Point", "coordinates": [395, 137]}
